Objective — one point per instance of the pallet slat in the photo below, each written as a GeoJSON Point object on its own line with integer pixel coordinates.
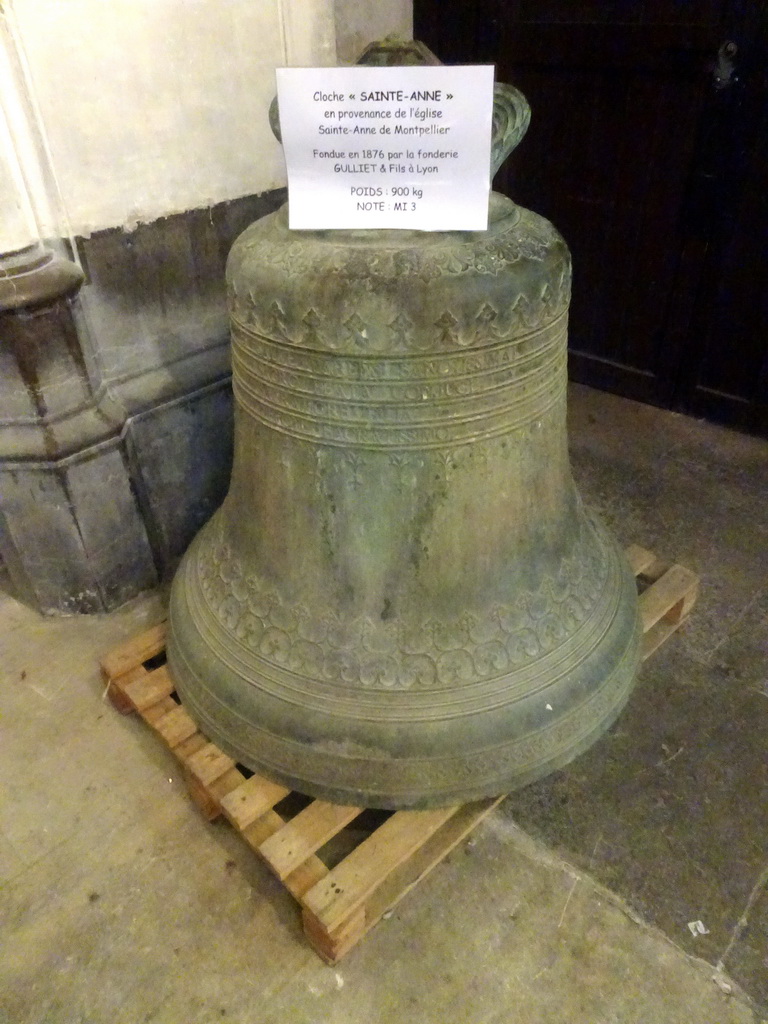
{"type": "Point", "coordinates": [669, 597]}
{"type": "Point", "coordinates": [306, 875]}
{"type": "Point", "coordinates": [175, 725]}
{"type": "Point", "coordinates": [149, 689]}
{"type": "Point", "coordinates": [156, 712]}
{"type": "Point", "coordinates": [402, 880]}
{"type": "Point", "coordinates": [332, 946]}
{"type": "Point", "coordinates": [251, 800]}
{"type": "Point", "coordinates": [639, 558]}
{"type": "Point", "coordinates": [134, 652]}
{"type": "Point", "coordinates": [209, 763]}
{"type": "Point", "coordinates": [368, 866]}
{"type": "Point", "coordinates": [305, 834]}
{"type": "Point", "coordinates": [339, 905]}
{"type": "Point", "coordinates": [655, 637]}
{"type": "Point", "coordinates": [189, 747]}
{"type": "Point", "coordinates": [208, 796]}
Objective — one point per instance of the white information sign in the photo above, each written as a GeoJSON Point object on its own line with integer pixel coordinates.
{"type": "Point", "coordinates": [392, 147]}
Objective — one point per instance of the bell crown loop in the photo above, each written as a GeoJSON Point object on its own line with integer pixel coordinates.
{"type": "Point", "coordinates": [511, 112]}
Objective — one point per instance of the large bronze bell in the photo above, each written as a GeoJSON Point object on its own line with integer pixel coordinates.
{"type": "Point", "coordinates": [402, 601]}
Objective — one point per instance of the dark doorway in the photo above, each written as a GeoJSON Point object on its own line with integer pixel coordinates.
{"type": "Point", "coordinates": [648, 149]}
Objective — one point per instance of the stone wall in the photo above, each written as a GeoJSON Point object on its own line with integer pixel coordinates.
{"type": "Point", "coordinates": [145, 152]}
{"type": "Point", "coordinates": [116, 436]}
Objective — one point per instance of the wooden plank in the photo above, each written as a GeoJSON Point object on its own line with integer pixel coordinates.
{"type": "Point", "coordinates": [645, 565]}
{"type": "Point", "coordinates": [149, 689]}
{"type": "Point", "coordinates": [656, 635]}
{"type": "Point", "coordinates": [260, 830]}
{"type": "Point", "coordinates": [332, 946]}
{"type": "Point", "coordinates": [155, 712]}
{"type": "Point", "coordinates": [223, 786]}
{"type": "Point", "coordinates": [208, 796]}
{"type": "Point", "coordinates": [202, 797]}
{"type": "Point", "coordinates": [251, 800]}
{"type": "Point", "coordinates": [654, 571]}
{"type": "Point", "coordinates": [437, 847]}
{"type": "Point", "coordinates": [306, 876]}
{"type": "Point", "coordinates": [175, 725]}
{"type": "Point", "coordinates": [134, 652]}
{"type": "Point", "coordinates": [639, 558]}
{"type": "Point", "coordinates": [670, 597]}
{"type": "Point", "coordinates": [303, 835]}
{"type": "Point", "coordinates": [118, 700]}
{"type": "Point", "coordinates": [188, 747]}
{"type": "Point", "coordinates": [116, 689]}
{"type": "Point", "coordinates": [208, 763]}
{"type": "Point", "coordinates": [351, 881]}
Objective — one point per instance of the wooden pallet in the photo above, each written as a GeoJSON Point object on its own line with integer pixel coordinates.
{"type": "Point", "coordinates": [340, 901]}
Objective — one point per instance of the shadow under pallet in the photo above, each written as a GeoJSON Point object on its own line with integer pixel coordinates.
{"type": "Point", "coordinates": [346, 866]}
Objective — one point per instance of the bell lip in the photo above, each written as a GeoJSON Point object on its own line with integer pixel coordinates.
{"type": "Point", "coordinates": [349, 796]}
{"type": "Point", "coordinates": [598, 688]}
{"type": "Point", "coordinates": [435, 797]}
{"type": "Point", "coordinates": [405, 706]}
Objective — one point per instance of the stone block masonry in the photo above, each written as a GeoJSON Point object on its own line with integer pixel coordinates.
{"type": "Point", "coordinates": [115, 436]}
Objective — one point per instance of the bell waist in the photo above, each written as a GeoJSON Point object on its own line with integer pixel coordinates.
{"type": "Point", "coordinates": [413, 402]}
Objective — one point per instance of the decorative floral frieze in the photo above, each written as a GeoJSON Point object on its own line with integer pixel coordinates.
{"type": "Point", "coordinates": [426, 653]}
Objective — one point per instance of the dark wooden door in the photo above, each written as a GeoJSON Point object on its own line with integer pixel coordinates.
{"type": "Point", "coordinates": [647, 149]}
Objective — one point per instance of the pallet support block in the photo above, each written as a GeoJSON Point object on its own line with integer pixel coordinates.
{"type": "Point", "coordinates": [338, 904]}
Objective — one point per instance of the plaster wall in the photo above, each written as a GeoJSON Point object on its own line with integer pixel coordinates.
{"type": "Point", "coordinates": [17, 221]}
{"type": "Point", "coordinates": [358, 22]}
{"type": "Point", "coordinates": [152, 107]}
{"type": "Point", "coordinates": [138, 130]}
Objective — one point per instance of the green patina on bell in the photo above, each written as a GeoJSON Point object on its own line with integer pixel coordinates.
{"type": "Point", "coordinates": [402, 601]}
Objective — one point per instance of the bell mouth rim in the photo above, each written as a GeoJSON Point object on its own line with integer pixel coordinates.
{"type": "Point", "coordinates": [343, 770]}
{"type": "Point", "coordinates": [413, 705]}
{"type": "Point", "coordinates": [503, 214]}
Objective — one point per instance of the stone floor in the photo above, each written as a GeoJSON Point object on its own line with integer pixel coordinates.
{"type": "Point", "coordinates": [119, 905]}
